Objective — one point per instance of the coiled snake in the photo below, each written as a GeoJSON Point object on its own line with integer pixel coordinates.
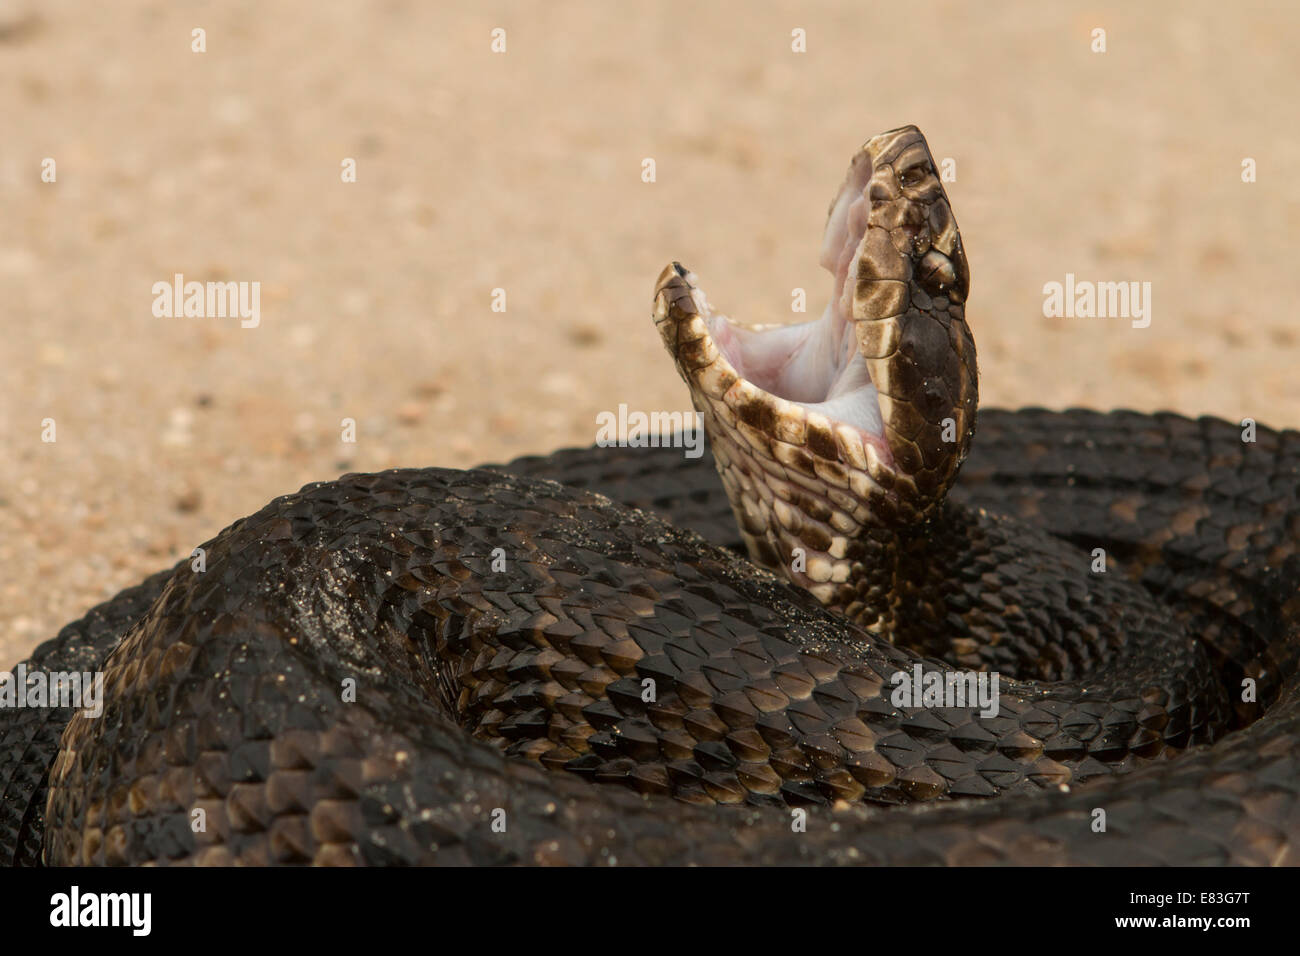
{"type": "Point", "coordinates": [422, 666]}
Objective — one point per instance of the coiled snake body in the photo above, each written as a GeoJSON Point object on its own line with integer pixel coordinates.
{"type": "Point", "coordinates": [505, 665]}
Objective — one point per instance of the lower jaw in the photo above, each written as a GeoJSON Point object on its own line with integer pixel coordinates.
{"type": "Point", "coordinates": [839, 389]}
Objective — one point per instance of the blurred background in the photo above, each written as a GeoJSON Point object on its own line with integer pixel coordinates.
{"type": "Point", "coordinates": [522, 170]}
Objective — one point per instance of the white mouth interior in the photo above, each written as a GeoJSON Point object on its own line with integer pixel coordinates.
{"type": "Point", "coordinates": [815, 364]}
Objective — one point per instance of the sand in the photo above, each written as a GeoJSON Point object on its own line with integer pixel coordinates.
{"type": "Point", "coordinates": [522, 171]}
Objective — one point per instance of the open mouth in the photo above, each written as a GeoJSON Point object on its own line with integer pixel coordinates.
{"type": "Point", "coordinates": [814, 368]}
{"type": "Point", "coordinates": [865, 415]}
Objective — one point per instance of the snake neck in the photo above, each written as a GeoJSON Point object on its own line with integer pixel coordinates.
{"type": "Point", "coordinates": [807, 525]}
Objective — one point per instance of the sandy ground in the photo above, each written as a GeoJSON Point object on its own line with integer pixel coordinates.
{"type": "Point", "coordinates": [522, 170]}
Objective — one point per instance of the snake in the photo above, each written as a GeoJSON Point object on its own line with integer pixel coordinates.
{"type": "Point", "coordinates": [848, 634]}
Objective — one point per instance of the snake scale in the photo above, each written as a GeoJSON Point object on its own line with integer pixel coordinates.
{"type": "Point", "coordinates": [570, 660]}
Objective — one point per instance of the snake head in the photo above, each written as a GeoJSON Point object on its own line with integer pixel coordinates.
{"type": "Point", "coordinates": [859, 420]}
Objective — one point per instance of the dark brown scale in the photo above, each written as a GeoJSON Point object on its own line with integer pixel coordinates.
{"type": "Point", "coordinates": [758, 415]}
{"type": "Point", "coordinates": [822, 442]}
